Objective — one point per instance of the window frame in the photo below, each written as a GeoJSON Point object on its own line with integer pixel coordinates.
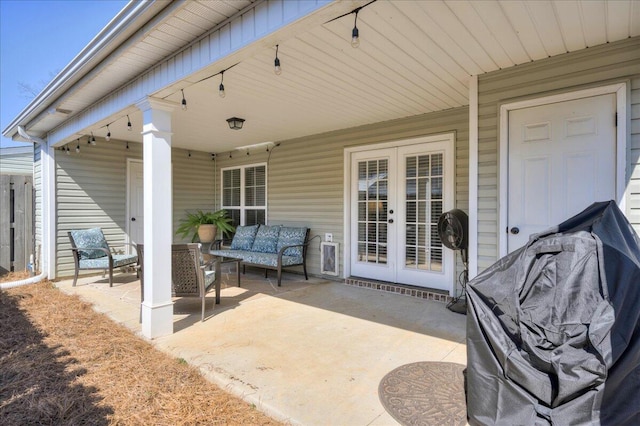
{"type": "Point", "coordinates": [243, 207]}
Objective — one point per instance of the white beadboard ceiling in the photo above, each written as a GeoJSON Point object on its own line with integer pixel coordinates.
{"type": "Point", "coordinates": [414, 57]}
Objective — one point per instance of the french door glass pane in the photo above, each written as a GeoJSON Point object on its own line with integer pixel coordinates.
{"type": "Point", "coordinates": [372, 209]}
{"type": "Point", "coordinates": [424, 203]}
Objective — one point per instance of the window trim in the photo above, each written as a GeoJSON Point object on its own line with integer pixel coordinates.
{"type": "Point", "coordinates": [242, 205]}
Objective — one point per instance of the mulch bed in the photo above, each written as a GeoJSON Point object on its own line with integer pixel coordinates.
{"type": "Point", "coordinates": [62, 363]}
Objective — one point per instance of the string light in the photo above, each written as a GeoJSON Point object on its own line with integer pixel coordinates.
{"type": "Point", "coordinates": [108, 137]}
{"type": "Point", "coordinates": [129, 127]}
{"type": "Point", "coordinates": [127, 144]}
{"type": "Point", "coordinates": [78, 146]}
{"type": "Point", "coordinates": [184, 101]}
{"type": "Point", "coordinates": [221, 88]}
{"type": "Point", "coordinates": [213, 156]}
{"type": "Point", "coordinates": [68, 152]}
{"type": "Point", "coordinates": [189, 155]}
{"type": "Point", "coordinates": [93, 139]}
{"type": "Point", "coordinates": [355, 34]}
{"type": "Point", "coordinates": [277, 68]}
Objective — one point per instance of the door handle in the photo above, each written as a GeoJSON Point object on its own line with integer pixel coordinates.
{"type": "Point", "coordinates": [133, 219]}
{"type": "Point", "coordinates": [515, 230]}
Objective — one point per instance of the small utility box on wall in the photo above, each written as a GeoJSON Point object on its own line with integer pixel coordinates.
{"type": "Point", "coordinates": [329, 264]}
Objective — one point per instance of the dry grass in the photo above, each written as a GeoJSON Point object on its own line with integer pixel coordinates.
{"type": "Point", "coordinates": [63, 363]}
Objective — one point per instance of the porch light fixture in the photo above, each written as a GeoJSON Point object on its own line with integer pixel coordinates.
{"type": "Point", "coordinates": [93, 139]}
{"type": "Point", "coordinates": [235, 123]}
{"type": "Point", "coordinates": [221, 88]}
{"type": "Point", "coordinates": [355, 34]}
{"type": "Point", "coordinates": [108, 137]}
{"type": "Point", "coordinates": [277, 68]}
{"type": "Point", "coordinates": [78, 146]}
{"type": "Point", "coordinates": [129, 127]}
{"type": "Point", "coordinates": [184, 101]}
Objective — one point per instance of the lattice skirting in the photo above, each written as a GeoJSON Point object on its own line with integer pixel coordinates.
{"type": "Point", "coordinates": [421, 293]}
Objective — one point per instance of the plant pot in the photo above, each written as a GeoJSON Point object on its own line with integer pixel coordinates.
{"type": "Point", "coordinates": [207, 233]}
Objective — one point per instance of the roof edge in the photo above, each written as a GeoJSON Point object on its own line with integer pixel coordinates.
{"type": "Point", "coordinates": [83, 60]}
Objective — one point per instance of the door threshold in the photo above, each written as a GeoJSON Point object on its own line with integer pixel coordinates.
{"type": "Point", "coordinates": [406, 290]}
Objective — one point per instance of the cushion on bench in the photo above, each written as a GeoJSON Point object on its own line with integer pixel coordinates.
{"type": "Point", "coordinates": [255, 258]}
{"type": "Point", "coordinates": [289, 237]}
{"type": "Point", "coordinates": [266, 240]}
{"type": "Point", "coordinates": [244, 237]}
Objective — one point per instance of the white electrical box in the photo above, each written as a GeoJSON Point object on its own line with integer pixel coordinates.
{"type": "Point", "coordinates": [328, 237]}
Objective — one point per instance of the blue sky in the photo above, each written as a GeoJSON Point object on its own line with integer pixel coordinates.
{"type": "Point", "coordinates": [38, 38]}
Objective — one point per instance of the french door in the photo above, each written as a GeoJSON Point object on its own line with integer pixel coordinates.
{"type": "Point", "coordinates": [397, 196]}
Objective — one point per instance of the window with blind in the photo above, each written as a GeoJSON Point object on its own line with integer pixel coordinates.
{"type": "Point", "coordinates": [244, 194]}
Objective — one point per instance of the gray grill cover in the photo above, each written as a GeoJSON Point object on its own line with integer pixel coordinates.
{"type": "Point", "coordinates": [553, 332]}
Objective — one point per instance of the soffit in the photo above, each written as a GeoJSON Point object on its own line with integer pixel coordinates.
{"type": "Point", "coordinates": [415, 57]}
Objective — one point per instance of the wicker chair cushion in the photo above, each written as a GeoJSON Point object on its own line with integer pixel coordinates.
{"type": "Point", "coordinates": [291, 236]}
{"type": "Point", "coordinates": [266, 240]}
{"type": "Point", "coordinates": [244, 237]}
{"type": "Point", "coordinates": [119, 260]}
{"type": "Point", "coordinates": [90, 238]}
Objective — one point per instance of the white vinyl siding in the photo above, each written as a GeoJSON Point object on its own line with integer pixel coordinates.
{"type": "Point", "coordinates": [37, 186]}
{"type": "Point", "coordinates": [596, 66]}
{"type": "Point", "coordinates": [91, 191]}
{"type": "Point", "coordinates": [16, 161]}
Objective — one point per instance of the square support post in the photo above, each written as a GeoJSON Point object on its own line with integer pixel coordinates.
{"type": "Point", "coordinates": [157, 308]}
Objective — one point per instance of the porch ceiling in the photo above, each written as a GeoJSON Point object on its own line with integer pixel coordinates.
{"type": "Point", "coordinates": [414, 57]}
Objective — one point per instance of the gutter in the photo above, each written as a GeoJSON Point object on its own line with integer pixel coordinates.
{"type": "Point", "coordinates": [76, 68]}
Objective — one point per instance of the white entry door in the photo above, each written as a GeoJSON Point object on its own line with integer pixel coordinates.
{"type": "Point", "coordinates": [136, 202]}
{"type": "Point", "coordinates": [562, 158]}
{"type": "Point", "coordinates": [397, 197]}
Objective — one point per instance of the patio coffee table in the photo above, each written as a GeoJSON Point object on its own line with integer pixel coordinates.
{"type": "Point", "coordinates": [235, 260]}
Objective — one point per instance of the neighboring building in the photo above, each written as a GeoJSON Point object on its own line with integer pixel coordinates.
{"type": "Point", "coordinates": [16, 161]}
{"type": "Point", "coordinates": [520, 113]}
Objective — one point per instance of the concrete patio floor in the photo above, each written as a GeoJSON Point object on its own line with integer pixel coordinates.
{"type": "Point", "coordinates": [309, 352]}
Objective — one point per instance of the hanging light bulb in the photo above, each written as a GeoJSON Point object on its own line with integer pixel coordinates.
{"type": "Point", "coordinates": [189, 155]}
{"type": "Point", "coordinates": [127, 144]}
{"type": "Point", "coordinates": [277, 68]}
{"type": "Point", "coordinates": [221, 88]}
{"type": "Point", "coordinates": [355, 34]}
{"type": "Point", "coordinates": [68, 152]}
{"type": "Point", "coordinates": [78, 146]}
{"type": "Point", "coordinates": [184, 101]}
{"type": "Point", "coordinates": [108, 137]}
{"type": "Point", "coordinates": [129, 127]}
{"type": "Point", "coordinates": [93, 139]}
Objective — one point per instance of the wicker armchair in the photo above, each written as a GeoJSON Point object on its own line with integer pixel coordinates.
{"type": "Point", "coordinates": [190, 276]}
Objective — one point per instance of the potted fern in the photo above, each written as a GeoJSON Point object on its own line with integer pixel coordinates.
{"type": "Point", "coordinates": [205, 225]}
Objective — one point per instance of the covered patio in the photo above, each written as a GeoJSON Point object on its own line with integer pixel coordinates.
{"type": "Point", "coordinates": [309, 352]}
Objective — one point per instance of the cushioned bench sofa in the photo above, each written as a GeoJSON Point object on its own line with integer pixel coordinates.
{"type": "Point", "coordinates": [271, 247]}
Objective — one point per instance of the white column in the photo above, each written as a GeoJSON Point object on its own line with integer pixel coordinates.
{"type": "Point", "coordinates": [157, 308]}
